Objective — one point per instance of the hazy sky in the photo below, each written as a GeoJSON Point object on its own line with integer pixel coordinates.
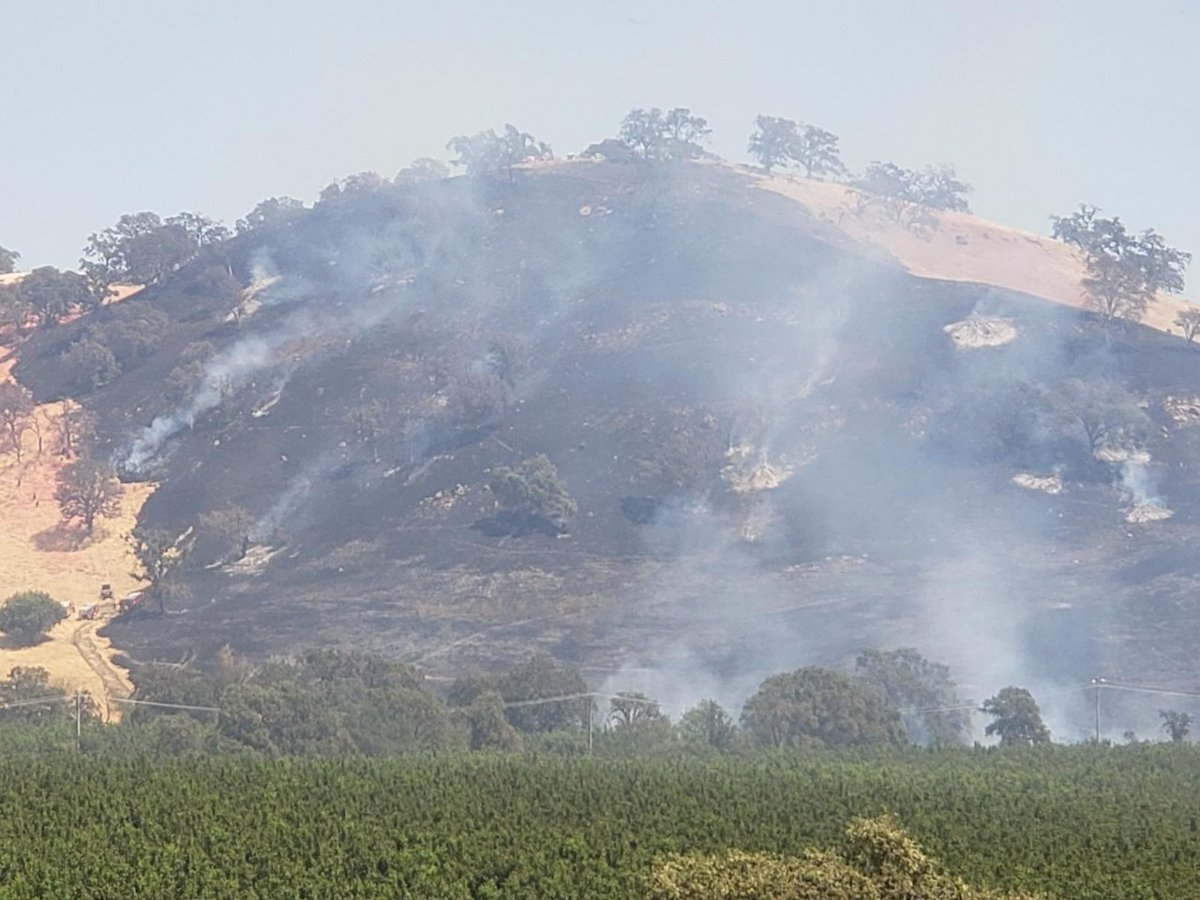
{"type": "Point", "coordinates": [112, 107]}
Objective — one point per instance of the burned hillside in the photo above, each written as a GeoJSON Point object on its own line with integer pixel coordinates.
{"type": "Point", "coordinates": [670, 426]}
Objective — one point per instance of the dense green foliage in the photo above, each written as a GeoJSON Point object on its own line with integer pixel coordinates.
{"type": "Point", "coordinates": [909, 681]}
{"type": "Point", "coordinates": [45, 295]}
{"type": "Point", "coordinates": [1015, 718]}
{"type": "Point", "coordinates": [1081, 822]}
{"type": "Point", "coordinates": [880, 862]}
{"type": "Point", "coordinates": [27, 615]}
{"type": "Point", "coordinates": [1123, 270]}
{"type": "Point", "coordinates": [819, 706]}
{"type": "Point", "coordinates": [533, 492]}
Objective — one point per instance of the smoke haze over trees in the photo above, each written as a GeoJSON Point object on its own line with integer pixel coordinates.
{"type": "Point", "coordinates": [639, 400]}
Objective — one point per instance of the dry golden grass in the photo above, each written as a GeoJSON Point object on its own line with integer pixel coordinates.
{"type": "Point", "coordinates": [39, 552]}
{"type": "Point", "coordinates": [962, 248]}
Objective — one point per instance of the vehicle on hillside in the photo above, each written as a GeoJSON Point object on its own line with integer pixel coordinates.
{"type": "Point", "coordinates": [131, 602]}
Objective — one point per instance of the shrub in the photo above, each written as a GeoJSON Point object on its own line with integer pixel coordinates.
{"type": "Point", "coordinates": [27, 615]}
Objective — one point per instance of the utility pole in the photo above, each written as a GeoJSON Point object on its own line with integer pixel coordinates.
{"type": "Point", "coordinates": [1096, 683]}
{"type": "Point", "coordinates": [78, 718]}
{"type": "Point", "coordinates": [589, 718]}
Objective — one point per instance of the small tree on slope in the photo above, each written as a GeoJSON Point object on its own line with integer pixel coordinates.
{"type": "Point", "coordinates": [28, 615]}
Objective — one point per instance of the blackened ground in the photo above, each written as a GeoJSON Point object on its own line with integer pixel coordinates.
{"type": "Point", "coordinates": [668, 318]}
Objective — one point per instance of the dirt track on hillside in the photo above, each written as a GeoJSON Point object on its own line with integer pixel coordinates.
{"type": "Point", "coordinates": [39, 552]}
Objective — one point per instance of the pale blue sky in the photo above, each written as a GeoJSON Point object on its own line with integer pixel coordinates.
{"type": "Point", "coordinates": [111, 107]}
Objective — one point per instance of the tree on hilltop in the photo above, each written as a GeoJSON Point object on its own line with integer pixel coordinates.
{"type": "Point", "coordinates": [773, 142]}
{"type": "Point", "coordinates": [143, 249]}
{"type": "Point", "coordinates": [1016, 718]}
{"type": "Point", "coordinates": [354, 185]}
{"type": "Point", "coordinates": [488, 154]}
{"type": "Point", "coordinates": [781, 142]}
{"type": "Point", "coordinates": [26, 616]}
{"type": "Point", "coordinates": [1122, 271]}
{"type": "Point", "coordinates": [657, 136]}
{"type": "Point", "coordinates": [203, 231]}
{"type": "Point", "coordinates": [816, 150]}
{"type": "Point", "coordinates": [8, 260]}
{"type": "Point", "coordinates": [938, 187]}
{"type": "Point", "coordinates": [272, 211]}
{"type": "Point", "coordinates": [900, 191]}
{"type": "Point", "coordinates": [87, 489]}
{"type": "Point", "coordinates": [420, 171]}
{"type": "Point", "coordinates": [888, 185]}
{"type": "Point", "coordinates": [47, 294]}
{"type": "Point", "coordinates": [1189, 323]}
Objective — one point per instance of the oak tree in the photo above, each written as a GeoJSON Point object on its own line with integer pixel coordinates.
{"type": "Point", "coordinates": [87, 489]}
{"type": "Point", "coordinates": [1122, 271]}
{"type": "Point", "coordinates": [26, 616]}
{"type": "Point", "coordinates": [773, 142]}
{"type": "Point", "coordinates": [1189, 323]}
{"type": "Point", "coordinates": [815, 705]}
{"type": "Point", "coordinates": [270, 212]}
{"type": "Point", "coordinates": [8, 260]}
{"type": "Point", "coordinates": [1016, 718]}
{"type": "Point", "coordinates": [16, 414]}
{"type": "Point", "coordinates": [816, 150]}
{"type": "Point", "coordinates": [657, 136]}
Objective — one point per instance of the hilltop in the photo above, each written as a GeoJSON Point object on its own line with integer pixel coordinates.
{"type": "Point", "coordinates": [790, 430]}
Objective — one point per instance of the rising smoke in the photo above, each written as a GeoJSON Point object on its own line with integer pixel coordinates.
{"type": "Point", "coordinates": [837, 520]}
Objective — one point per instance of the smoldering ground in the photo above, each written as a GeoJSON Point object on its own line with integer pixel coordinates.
{"type": "Point", "coordinates": [880, 537]}
{"type": "Point", "coordinates": [860, 493]}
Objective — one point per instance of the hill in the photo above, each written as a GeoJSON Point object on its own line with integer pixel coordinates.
{"type": "Point", "coordinates": [789, 433]}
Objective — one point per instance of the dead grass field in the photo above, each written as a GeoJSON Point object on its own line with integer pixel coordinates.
{"type": "Point", "coordinates": [962, 248]}
{"type": "Point", "coordinates": [39, 552]}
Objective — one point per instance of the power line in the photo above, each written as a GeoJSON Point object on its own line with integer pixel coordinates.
{"type": "Point", "coordinates": [975, 705]}
{"type": "Point", "coordinates": [645, 701]}
{"type": "Point", "coordinates": [214, 709]}
{"type": "Point", "coordinates": [1148, 689]}
{"type": "Point", "coordinates": [36, 701]}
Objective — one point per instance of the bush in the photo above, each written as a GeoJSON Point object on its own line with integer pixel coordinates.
{"type": "Point", "coordinates": [27, 616]}
{"type": "Point", "coordinates": [133, 333]}
{"type": "Point", "coordinates": [533, 490]}
{"type": "Point", "coordinates": [88, 365]}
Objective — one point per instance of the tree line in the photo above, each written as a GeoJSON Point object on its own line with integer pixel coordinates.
{"type": "Point", "coordinates": [329, 702]}
{"type": "Point", "coordinates": [1123, 270]}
